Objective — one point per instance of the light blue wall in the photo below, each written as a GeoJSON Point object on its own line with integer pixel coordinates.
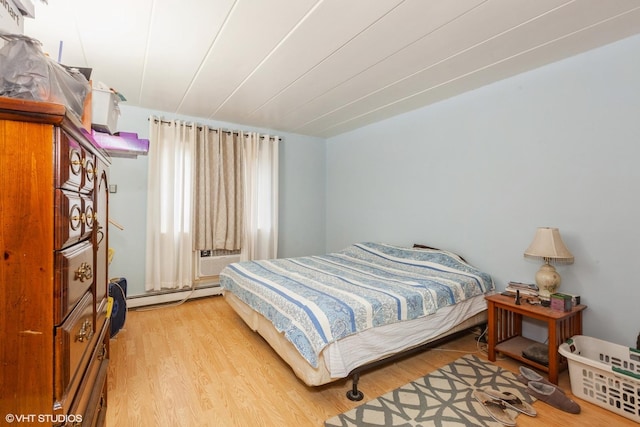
{"type": "Point", "coordinates": [476, 174]}
{"type": "Point", "coordinates": [302, 195]}
{"type": "Point", "coordinates": [558, 146]}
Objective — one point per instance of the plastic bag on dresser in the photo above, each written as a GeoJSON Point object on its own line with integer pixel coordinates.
{"type": "Point", "coordinates": [27, 73]}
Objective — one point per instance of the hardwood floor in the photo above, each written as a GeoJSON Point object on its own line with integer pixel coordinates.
{"type": "Point", "coordinates": [198, 364]}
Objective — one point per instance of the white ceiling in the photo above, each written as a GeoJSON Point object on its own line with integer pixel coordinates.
{"type": "Point", "coordinates": [317, 67]}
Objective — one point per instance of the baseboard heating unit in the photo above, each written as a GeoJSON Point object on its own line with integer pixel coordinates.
{"type": "Point", "coordinates": [172, 296]}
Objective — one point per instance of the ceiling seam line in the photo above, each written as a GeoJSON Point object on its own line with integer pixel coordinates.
{"type": "Point", "coordinates": [389, 85]}
{"type": "Point", "coordinates": [480, 69]}
{"type": "Point", "coordinates": [255, 70]}
{"type": "Point", "coordinates": [381, 60]}
{"type": "Point", "coordinates": [326, 58]}
{"type": "Point", "coordinates": [204, 60]}
{"type": "Point", "coordinates": [77, 28]}
{"type": "Point", "coordinates": [146, 51]}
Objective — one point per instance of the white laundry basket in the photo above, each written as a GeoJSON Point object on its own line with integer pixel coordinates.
{"type": "Point", "coordinates": [605, 374]}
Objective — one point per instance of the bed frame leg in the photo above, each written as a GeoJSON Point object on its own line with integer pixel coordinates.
{"type": "Point", "coordinates": [355, 394]}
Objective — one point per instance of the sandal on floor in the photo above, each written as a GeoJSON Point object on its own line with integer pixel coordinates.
{"type": "Point", "coordinates": [495, 408]}
{"type": "Point", "coordinates": [512, 401]}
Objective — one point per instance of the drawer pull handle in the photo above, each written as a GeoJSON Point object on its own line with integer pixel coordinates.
{"type": "Point", "coordinates": [75, 217]}
{"type": "Point", "coordinates": [78, 219]}
{"type": "Point", "coordinates": [84, 272]}
{"type": "Point", "coordinates": [86, 331]}
{"type": "Point", "coordinates": [88, 217]}
{"type": "Point", "coordinates": [76, 162]}
{"type": "Point", "coordinates": [103, 353]}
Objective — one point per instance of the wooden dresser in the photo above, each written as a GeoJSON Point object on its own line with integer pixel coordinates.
{"type": "Point", "coordinates": [54, 332]}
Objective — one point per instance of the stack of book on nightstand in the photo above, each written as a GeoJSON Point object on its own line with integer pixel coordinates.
{"type": "Point", "coordinates": [526, 290]}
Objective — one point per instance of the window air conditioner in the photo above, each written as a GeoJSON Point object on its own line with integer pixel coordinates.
{"type": "Point", "coordinates": [210, 264]}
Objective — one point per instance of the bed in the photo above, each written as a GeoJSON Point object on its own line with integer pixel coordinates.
{"type": "Point", "coordinates": [330, 316]}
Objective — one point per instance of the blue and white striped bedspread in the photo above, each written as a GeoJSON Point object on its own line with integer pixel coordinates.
{"type": "Point", "coordinates": [316, 300]}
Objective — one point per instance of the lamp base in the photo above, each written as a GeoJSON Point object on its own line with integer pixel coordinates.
{"type": "Point", "coordinates": [548, 281]}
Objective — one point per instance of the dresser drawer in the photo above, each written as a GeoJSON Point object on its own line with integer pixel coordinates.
{"type": "Point", "coordinates": [75, 167]}
{"type": "Point", "coordinates": [75, 218]}
{"type": "Point", "coordinates": [74, 343]}
{"type": "Point", "coordinates": [90, 401]}
{"type": "Point", "coordinates": [73, 277]}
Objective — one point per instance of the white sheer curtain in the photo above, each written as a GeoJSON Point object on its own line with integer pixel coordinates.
{"type": "Point", "coordinates": [260, 159]}
{"type": "Point", "coordinates": [169, 205]}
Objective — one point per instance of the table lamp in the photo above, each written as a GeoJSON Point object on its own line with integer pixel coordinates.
{"type": "Point", "coordinates": [548, 246]}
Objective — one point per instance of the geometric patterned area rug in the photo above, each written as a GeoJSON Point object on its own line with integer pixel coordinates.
{"type": "Point", "coordinates": [441, 398]}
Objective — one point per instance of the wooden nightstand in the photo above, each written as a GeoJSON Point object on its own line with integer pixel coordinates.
{"type": "Point", "coordinates": [505, 330]}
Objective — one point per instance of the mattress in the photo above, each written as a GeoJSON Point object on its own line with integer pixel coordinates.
{"type": "Point", "coordinates": [339, 311]}
{"type": "Point", "coordinates": [339, 358]}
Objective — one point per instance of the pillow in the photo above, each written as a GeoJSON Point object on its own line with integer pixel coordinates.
{"type": "Point", "coordinates": [419, 246]}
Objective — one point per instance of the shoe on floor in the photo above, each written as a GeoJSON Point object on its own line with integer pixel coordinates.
{"type": "Point", "coordinates": [553, 396]}
{"type": "Point", "coordinates": [527, 374]}
{"type": "Point", "coordinates": [495, 408]}
{"type": "Point", "coordinates": [511, 401]}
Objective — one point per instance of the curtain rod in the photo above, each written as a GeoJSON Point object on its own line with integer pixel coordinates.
{"type": "Point", "coordinates": [210, 129]}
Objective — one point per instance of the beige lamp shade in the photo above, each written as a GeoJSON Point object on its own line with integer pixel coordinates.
{"type": "Point", "coordinates": [548, 245]}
